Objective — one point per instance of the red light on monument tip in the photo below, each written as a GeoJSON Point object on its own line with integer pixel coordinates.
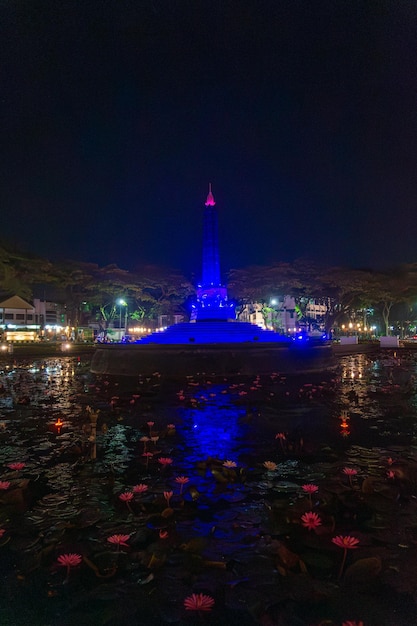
{"type": "Point", "coordinates": [210, 198]}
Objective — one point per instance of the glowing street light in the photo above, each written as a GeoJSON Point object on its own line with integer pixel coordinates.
{"type": "Point", "coordinates": [121, 303]}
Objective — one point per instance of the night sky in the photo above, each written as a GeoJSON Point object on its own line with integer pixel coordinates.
{"type": "Point", "coordinates": [117, 114]}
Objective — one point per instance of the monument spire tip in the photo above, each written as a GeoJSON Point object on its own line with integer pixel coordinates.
{"type": "Point", "coordinates": [210, 198]}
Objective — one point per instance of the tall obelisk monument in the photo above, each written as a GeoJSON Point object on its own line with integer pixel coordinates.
{"type": "Point", "coordinates": [212, 303]}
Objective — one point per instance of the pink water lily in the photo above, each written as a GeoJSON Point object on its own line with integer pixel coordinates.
{"type": "Point", "coordinates": [119, 540]}
{"type": "Point", "coordinates": [165, 461]}
{"type": "Point", "coordinates": [182, 480]}
{"type": "Point", "coordinates": [310, 489]}
{"type": "Point", "coordinates": [282, 438]}
{"type": "Point", "coordinates": [141, 488]}
{"type": "Point", "coordinates": [347, 543]}
{"type": "Point", "coordinates": [168, 495]}
{"type": "Point", "coordinates": [127, 497]}
{"type": "Point", "coordinates": [311, 520]}
{"type": "Point", "coordinates": [199, 602]}
{"type": "Point", "coordinates": [4, 484]}
{"type": "Point", "coordinates": [69, 560]}
{"type": "Point", "coordinates": [16, 466]}
{"type": "Point", "coordinates": [2, 531]}
{"type": "Point", "coordinates": [229, 464]}
{"type": "Point", "coordinates": [148, 456]}
{"type": "Point", "coordinates": [270, 466]}
{"type": "Point", "coordinates": [350, 471]}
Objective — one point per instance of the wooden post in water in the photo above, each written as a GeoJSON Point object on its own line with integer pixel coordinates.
{"type": "Point", "coordinates": [93, 419]}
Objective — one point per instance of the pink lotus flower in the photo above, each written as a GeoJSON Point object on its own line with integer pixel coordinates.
{"type": "Point", "coordinates": [144, 440]}
{"type": "Point", "coordinates": [168, 495]}
{"type": "Point", "coordinates": [16, 466]}
{"type": "Point", "coordinates": [69, 560]}
{"type": "Point", "coordinates": [182, 480]}
{"type": "Point", "coordinates": [163, 534]}
{"type": "Point", "coordinates": [147, 455]}
{"type": "Point", "coordinates": [4, 484]}
{"type": "Point", "coordinates": [282, 438]}
{"type": "Point", "coordinates": [311, 520]}
{"type": "Point", "coordinates": [270, 466]}
{"type": "Point", "coordinates": [229, 464]}
{"type": "Point", "coordinates": [199, 602]}
{"type": "Point", "coordinates": [171, 426]}
{"type": "Point", "coordinates": [390, 474]}
{"type": "Point", "coordinates": [350, 471]}
{"type": "Point", "coordinates": [119, 540]}
{"type": "Point", "coordinates": [127, 497]}
{"type": "Point", "coordinates": [141, 488]}
{"type": "Point", "coordinates": [164, 461]}
{"type": "Point", "coordinates": [347, 543]}
{"type": "Point", "coordinates": [310, 488]}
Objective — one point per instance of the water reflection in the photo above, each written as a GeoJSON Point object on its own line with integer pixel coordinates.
{"type": "Point", "coordinates": [73, 504]}
{"type": "Point", "coordinates": [214, 426]}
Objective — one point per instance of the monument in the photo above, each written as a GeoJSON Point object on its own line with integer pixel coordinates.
{"type": "Point", "coordinates": [213, 341]}
{"type": "Point", "coordinates": [212, 302]}
{"type": "Point", "coordinates": [213, 318]}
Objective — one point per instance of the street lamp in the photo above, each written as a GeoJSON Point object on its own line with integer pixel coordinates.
{"type": "Point", "coordinates": [121, 303]}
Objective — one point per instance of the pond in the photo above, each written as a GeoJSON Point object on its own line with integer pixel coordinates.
{"type": "Point", "coordinates": [274, 500]}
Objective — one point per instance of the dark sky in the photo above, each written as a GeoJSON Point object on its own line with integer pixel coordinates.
{"type": "Point", "coordinates": [303, 115]}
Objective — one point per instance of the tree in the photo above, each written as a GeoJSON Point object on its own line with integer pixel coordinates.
{"type": "Point", "coordinates": [393, 287]}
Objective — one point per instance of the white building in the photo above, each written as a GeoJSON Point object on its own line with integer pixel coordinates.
{"type": "Point", "coordinates": [279, 315]}
{"type": "Point", "coordinates": [23, 321]}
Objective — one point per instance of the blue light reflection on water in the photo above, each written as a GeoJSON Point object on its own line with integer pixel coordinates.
{"type": "Point", "coordinates": [215, 427]}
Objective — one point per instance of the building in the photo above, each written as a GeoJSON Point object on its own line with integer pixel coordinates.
{"type": "Point", "coordinates": [280, 315]}
{"type": "Point", "coordinates": [21, 320]}
{"type": "Point", "coordinates": [18, 320]}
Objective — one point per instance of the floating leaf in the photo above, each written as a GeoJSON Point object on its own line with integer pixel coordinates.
{"type": "Point", "coordinates": [363, 570]}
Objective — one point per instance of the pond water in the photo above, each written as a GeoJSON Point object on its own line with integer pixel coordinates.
{"type": "Point", "coordinates": [230, 488]}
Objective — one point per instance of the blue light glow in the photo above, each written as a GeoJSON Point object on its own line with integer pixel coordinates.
{"type": "Point", "coordinates": [215, 428]}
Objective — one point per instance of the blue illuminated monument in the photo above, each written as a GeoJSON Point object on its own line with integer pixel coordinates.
{"type": "Point", "coordinates": [213, 341]}
{"type": "Point", "coordinates": [212, 303]}
{"type": "Point", "coordinates": [213, 320]}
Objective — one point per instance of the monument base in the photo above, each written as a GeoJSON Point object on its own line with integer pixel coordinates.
{"type": "Point", "coordinates": [175, 361]}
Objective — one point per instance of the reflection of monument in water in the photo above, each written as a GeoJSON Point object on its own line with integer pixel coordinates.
{"type": "Point", "coordinates": [213, 318]}
{"type": "Point", "coordinates": [213, 341]}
